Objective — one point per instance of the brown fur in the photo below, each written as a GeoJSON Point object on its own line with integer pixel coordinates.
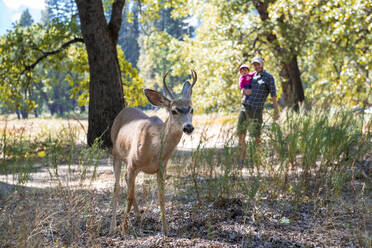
{"type": "Point", "coordinates": [145, 144]}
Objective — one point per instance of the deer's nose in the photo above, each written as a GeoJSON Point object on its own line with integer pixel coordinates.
{"type": "Point", "coordinates": [188, 128]}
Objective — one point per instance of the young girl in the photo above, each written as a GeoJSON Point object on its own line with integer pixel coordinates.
{"type": "Point", "coordinates": [245, 81]}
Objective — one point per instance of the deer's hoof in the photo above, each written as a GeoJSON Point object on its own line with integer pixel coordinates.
{"type": "Point", "coordinates": [124, 231]}
{"type": "Point", "coordinates": [113, 229]}
{"type": "Point", "coordinates": [165, 231]}
{"type": "Point", "coordinates": [138, 218]}
{"type": "Point", "coordinates": [124, 227]}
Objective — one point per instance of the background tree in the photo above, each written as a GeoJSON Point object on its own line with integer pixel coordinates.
{"type": "Point", "coordinates": [155, 50]}
{"type": "Point", "coordinates": [338, 61]}
{"type": "Point", "coordinates": [129, 33]}
{"type": "Point", "coordinates": [27, 47]}
{"type": "Point", "coordinates": [292, 34]}
{"type": "Point", "coordinates": [26, 19]}
{"type": "Point", "coordinates": [105, 90]}
{"type": "Point", "coordinates": [293, 91]}
{"type": "Point", "coordinates": [320, 47]}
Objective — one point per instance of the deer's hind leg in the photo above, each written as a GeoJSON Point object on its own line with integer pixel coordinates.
{"type": "Point", "coordinates": [130, 178]}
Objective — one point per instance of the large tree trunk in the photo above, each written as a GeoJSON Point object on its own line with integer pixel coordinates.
{"type": "Point", "coordinates": [106, 97]}
{"type": "Point", "coordinates": [293, 91]}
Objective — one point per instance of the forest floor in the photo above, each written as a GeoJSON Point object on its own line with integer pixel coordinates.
{"type": "Point", "coordinates": [70, 206]}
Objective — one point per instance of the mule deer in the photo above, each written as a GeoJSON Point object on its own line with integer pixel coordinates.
{"type": "Point", "coordinates": [146, 143]}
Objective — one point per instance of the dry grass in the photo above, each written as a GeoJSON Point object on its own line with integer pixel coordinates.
{"type": "Point", "coordinates": [66, 201]}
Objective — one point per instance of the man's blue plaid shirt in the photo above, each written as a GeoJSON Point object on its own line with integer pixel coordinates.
{"type": "Point", "coordinates": [262, 84]}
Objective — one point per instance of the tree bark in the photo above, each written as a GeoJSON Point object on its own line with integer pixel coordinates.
{"type": "Point", "coordinates": [106, 97]}
{"type": "Point", "coordinates": [293, 91]}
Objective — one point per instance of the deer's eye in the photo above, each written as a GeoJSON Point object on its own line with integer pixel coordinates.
{"type": "Point", "coordinates": [191, 111]}
{"type": "Point", "coordinates": [174, 112]}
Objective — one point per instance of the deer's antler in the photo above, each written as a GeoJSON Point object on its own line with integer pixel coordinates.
{"type": "Point", "coordinates": [165, 85]}
{"type": "Point", "coordinates": [194, 77]}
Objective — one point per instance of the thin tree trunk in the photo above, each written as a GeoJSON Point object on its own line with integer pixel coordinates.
{"type": "Point", "coordinates": [106, 97]}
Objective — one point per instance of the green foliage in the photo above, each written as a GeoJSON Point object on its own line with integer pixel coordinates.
{"type": "Point", "coordinates": [216, 58]}
{"type": "Point", "coordinates": [153, 58]}
{"type": "Point", "coordinates": [330, 39]}
{"type": "Point", "coordinates": [78, 77]}
{"type": "Point", "coordinates": [53, 78]}
{"type": "Point", "coordinates": [213, 52]}
{"type": "Point", "coordinates": [319, 146]}
{"type": "Point", "coordinates": [156, 51]}
{"type": "Point", "coordinates": [307, 153]}
{"type": "Point", "coordinates": [133, 85]}
{"type": "Point", "coordinates": [20, 48]}
{"type": "Point", "coordinates": [339, 60]}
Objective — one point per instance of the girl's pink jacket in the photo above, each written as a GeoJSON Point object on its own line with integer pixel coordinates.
{"type": "Point", "coordinates": [244, 81]}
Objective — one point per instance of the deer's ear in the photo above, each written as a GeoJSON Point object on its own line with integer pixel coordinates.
{"type": "Point", "coordinates": [186, 90]}
{"type": "Point", "coordinates": [156, 98]}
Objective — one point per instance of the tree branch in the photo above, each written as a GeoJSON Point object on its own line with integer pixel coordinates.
{"type": "Point", "coordinates": [261, 7]}
{"type": "Point", "coordinates": [116, 19]}
{"type": "Point", "coordinates": [46, 54]}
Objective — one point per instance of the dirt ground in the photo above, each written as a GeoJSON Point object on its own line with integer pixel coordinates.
{"type": "Point", "coordinates": [79, 216]}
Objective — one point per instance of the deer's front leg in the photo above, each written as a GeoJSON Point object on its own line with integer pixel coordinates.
{"type": "Point", "coordinates": [161, 184]}
{"type": "Point", "coordinates": [117, 172]}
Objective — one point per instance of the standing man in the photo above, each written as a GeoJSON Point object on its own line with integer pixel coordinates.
{"type": "Point", "coordinates": [250, 116]}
